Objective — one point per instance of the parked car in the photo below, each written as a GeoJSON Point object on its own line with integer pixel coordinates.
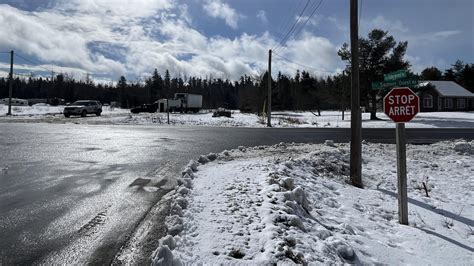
{"type": "Point", "coordinates": [145, 108]}
{"type": "Point", "coordinates": [83, 108]}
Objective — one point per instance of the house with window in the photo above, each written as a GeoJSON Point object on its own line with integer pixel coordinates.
{"type": "Point", "coordinates": [438, 96]}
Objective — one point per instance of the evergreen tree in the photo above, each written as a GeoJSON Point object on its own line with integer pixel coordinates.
{"type": "Point", "coordinates": [122, 87]}
{"type": "Point", "coordinates": [167, 84]}
{"type": "Point", "coordinates": [156, 85]}
{"type": "Point", "coordinates": [431, 73]}
{"type": "Point", "coordinates": [379, 53]}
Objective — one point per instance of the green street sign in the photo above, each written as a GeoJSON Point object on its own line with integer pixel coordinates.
{"type": "Point", "coordinates": [408, 82]}
{"type": "Point", "coordinates": [396, 83]}
{"type": "Point", "coordinates": [377, 85]}
{"type": "Point", "coordinates": [392, 76]}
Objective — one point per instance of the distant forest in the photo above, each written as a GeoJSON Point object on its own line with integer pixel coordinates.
{"type": "Point", "coordinates": [379, 54]}
{"type": "Point", "coordinates": [300, 92]}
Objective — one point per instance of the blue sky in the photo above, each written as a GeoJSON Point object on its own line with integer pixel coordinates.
{"type": "Point", "coordinates": [219, 38]}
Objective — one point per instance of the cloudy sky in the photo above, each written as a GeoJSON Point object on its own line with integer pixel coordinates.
{"type": "Point", "coordinates": [219, 38]}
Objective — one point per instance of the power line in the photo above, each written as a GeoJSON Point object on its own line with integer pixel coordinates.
{"type": "Point", "coordinates": [104, 89]}
{"type": "Point", "coordinates": [301, 65]}
{"type": "Point", "coordinates": [34, 63]}
{"type": "Point", "coordinates": [299, 27]}
{"type": "Point", "coordinates": [291, 30]}
{"type": "Point", "coordinates": [288, 20]}
{"type": "Point", "coordinates": [282, 42]}
{"type": "Point", "coordinates": [290, 66]}
{"type": "Point", "coordinates": [18, 75]}
{"type": "Point", "coordinates": [312, 14]}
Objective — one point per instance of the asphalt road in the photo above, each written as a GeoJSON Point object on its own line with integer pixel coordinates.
{"type": "Point", "coordinates": [74, 193]}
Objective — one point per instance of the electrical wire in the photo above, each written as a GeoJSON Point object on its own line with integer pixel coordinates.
{"type": "Point", "coordinates": [288, 19]}
{"type": "Point", "coordinates": [301, 65]}
{"type": "Point", "coordinates": [312, 14]}
{"type": "Point", "coordinates": [290, 66]}
{"type": "Point", "coordinates": [282, 42]}
{"type": "Point", "coordinates": [17, 75]}
{"type": "Point", "coordinates": [296, 30]}
{"type": "Point", "coordinates": [34, 63]}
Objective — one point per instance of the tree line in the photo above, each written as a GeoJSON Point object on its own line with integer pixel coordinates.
{"type": "Point", "coordinates": [459, 72]}
{"type": "Point", "coordinates": [299, 92]}
{"type": "Point", "coordinates": [379, 54]}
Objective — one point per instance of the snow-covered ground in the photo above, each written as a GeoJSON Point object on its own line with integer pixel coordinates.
{"type": "Point", "coordinates": [40, 109]}
{"type": "Point", "coordinates": [291, 203]}
{"type": "Point", "coordinates": [45, 113]}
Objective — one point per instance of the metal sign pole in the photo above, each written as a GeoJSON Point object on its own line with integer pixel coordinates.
{"type": "Point", "coordinates": [10, 85]}
{"type": "Point", "coordinates": [402, 174]}
{"type": "Point", "coordinates": [168, 110]}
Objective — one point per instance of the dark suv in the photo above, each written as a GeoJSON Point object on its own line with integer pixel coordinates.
{"type": "Point", "coordinates": [83, 108]}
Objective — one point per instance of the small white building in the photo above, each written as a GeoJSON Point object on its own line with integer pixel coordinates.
{"type": "Point", "coordinates": [172, 103]}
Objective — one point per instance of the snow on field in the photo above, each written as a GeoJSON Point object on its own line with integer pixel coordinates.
{"type": "Point", "coordinates": [291, 203]}
{"type": "Point", "coordinates": [40, 109]}
{"type": "Point", "coordinates": [46, 113]}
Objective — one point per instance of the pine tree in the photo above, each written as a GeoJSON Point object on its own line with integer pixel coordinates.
{"type": "Point", "coordinates": [379, 53]}
{"type": "Point", "coordinates": [431, 73]}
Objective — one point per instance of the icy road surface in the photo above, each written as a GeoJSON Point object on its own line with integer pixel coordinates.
{"type": "Point", "coordinates": [74, 193]}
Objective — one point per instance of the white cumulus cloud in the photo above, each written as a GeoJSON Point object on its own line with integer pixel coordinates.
{"type": "Point", "coordinates": [218, 9]}
{"type": "Point", "coordinates": [110, 42]}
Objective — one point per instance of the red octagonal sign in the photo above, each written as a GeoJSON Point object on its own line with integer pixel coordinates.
{"type": "Point", "coordinates": [401, 104]}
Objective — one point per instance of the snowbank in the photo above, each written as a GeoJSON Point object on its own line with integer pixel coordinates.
{"type": "Point", "coordinates": [42, 109]}
{"type": "Point", "coordinates": [292, 204]}
{"type": "Point", "coordinates": [298, 119]}
{"type": "Point", "coordinates": [46, 113]}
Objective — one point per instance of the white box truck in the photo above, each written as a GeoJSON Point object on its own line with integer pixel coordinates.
{"type": "Point", "coordinates": [188, 102]}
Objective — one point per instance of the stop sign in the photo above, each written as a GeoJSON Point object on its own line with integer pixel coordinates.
{"type": "Point", "coordinates": [401, 104]}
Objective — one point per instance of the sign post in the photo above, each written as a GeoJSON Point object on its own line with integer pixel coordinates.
{"type": "Point", "coordinates": [10, 85]}
{"type": "Point", "coordinates": [402, 174]}
{"type": "Point", "coordinates": [168, 109]}
{"type": "Point", "coordinates": [401, 105]}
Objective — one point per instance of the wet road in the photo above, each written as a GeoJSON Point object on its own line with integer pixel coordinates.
{"type": "Point", "coordinates": [74, 193]}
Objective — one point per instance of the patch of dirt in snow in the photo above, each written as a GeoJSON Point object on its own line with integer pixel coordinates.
{"type": "Point", "coordinates": [292, 203]}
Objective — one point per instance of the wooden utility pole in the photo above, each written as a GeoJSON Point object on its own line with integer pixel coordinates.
{"type": "Point", "coordinates": [10, 85]}
{"type": "Point", "coordinates": [269, 104]}
{"type": "Point", "coordinates": [402, 174]}
{"type": "Point", "coordinates": [356, 120]}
